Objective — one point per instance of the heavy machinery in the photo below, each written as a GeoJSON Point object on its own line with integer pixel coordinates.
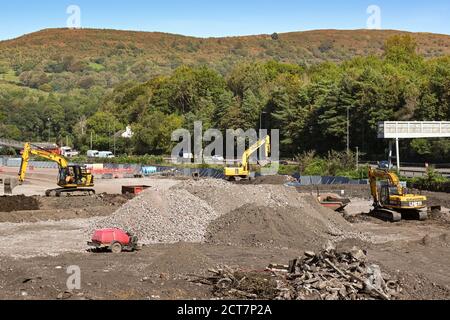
{"type": "Point", "coordinates": [391, 201]}
{"type": "Point", "coordinates": [71, 178]}
{"type": "Point", "coordinates": [243, 170]}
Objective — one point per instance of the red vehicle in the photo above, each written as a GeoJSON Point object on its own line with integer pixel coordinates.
{"type": "Point", "coordinates": [115, 240]}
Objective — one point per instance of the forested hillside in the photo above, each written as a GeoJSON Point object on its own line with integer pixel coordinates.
{"type": "Point", "coordinates": [69, 84]}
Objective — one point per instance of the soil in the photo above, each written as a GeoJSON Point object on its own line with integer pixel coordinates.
{"type": "Point", "coordinates": [18, 203]}
{"type": "Point", "coordinates": [437, 198]}
{"type": "Point", "coordinates": [257, 225]}
{"type": "Point", "coordinates": [19, 209]}
{"type": "Point", "coordinates": [164, 271]}
{"type": "Point", "coordinates": [156, 272]}
{"type": "Point", "coordinates": [268, 180]}
{"type": "Point", "coordinates": [184, 258]}
{"type": "Point", "coordinates": [265, 227]}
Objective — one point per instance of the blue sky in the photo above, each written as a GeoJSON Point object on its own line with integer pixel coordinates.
{"type": "Point", "coordinates": [207, 18]}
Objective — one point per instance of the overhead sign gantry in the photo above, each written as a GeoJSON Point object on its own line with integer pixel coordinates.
{"type": "Point", "coordinates": [396, 130]}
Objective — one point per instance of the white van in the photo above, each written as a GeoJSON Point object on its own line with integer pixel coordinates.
{"type": "Point", "coordinates": [92, 153]}
{"type": "Point", "coordinates": [68, 152]}
{"type": "Point", "coordinates": [105, 154]}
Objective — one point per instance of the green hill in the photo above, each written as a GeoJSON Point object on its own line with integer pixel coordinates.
{"type": "Point", "coordinates": [118, 55]}
{"type": "Point", "coordinates": [60, 84]}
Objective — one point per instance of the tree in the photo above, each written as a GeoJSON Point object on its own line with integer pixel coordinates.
{"type": "Point", "coordinates": [400, 49]}
{"type": "Point", "coordinates": [103, 124]}
{"type": "Point", "coordinates": [154, 132]}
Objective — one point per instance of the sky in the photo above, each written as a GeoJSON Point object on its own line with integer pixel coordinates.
{"type": "Point", "coordinates": [213, 18]}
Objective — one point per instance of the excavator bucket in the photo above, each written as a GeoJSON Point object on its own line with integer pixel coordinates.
{"type": "Point", "coordinates": [9, 185]}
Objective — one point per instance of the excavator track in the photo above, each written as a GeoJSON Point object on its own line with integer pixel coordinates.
{"type": "Point", "coordinates": [395, 216]}
{"type": "Point", "coordinates": [386, 215]}
{"type": "Point", "coordinates": [68, 191]}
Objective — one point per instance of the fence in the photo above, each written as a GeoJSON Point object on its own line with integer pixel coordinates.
{"type": "Point", "coordinates": [325, 180]}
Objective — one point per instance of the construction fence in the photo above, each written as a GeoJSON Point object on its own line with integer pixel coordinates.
{"type": "Point", "coordinates": [113, 171]}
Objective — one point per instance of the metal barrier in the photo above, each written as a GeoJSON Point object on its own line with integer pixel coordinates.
{"type": "Point", "coordinates": [326, 180]}
{"type": "Point", "coordinates": [130, 169]}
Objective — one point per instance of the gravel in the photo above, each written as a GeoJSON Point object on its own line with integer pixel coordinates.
{"type": "Point", "coordinates": [184, 212]}
{"type": "Point", "coordinates": [162, 217]}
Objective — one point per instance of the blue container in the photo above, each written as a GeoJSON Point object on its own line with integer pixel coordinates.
{"type": "Point", "coordinates": [149, 170]}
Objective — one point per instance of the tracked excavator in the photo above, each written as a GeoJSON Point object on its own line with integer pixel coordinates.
{"type": "Point", "coordinates": [392, 202]}
{"type": "Point", "coordinates": [243, 170]}
{"type": "Point", "coordinates": [71, 178]}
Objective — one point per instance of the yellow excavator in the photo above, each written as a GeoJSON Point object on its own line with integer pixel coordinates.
{"type": "Point", "coordinates": [392, 202]}
{"type": "Point", "coordinates": [71, 178]}
{"type": "Point", "coordinates": [243, 170]}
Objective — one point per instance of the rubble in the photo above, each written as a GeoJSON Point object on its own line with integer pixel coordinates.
{"type": "Point", "coordinates": [229, 283]}
{"type": "Point", "coordinates": [162, 217]}
{"type": "Point", "coordinates": [191, 210]}
{"type": "Point", "coordinates": [328, 275]}
{"type": "Point", "coordinates": [332, 275]}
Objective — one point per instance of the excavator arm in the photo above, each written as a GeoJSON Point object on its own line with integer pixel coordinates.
{"type": "Point", "coordinates": [28, 151]}
{"type": "Point", "coordinates": [248, 153]}
{"type": "Point", "coordinates": [375, 174]}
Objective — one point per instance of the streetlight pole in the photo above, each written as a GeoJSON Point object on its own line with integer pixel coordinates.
{"type": "Point", "coordinates": [348, 129]}
{"type": "Point", "coordinates": [357, 158]}
{"type": "Point", "coordinates": [49, 129]}
{"type": "Point", "coordinates": [114, 135]}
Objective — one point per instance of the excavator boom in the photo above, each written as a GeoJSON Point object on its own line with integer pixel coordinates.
{"type": "Point", "coordinates": [28, 151]}
{"type": "Point", "coordinates": [375, 174]}
{"type": "Point", "coordinates": [243, 171]}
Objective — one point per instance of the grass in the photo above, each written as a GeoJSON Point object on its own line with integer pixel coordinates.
{"type": "Point", "coordinates": [96, 67]}
{"type": "Point", "coordinates": [9, 76]}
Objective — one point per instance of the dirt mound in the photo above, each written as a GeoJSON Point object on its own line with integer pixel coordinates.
{"type": "Point", "coordinates": [265, 227]}
{"type": "Point", "coordinates": [184, 212]}
{"type": "Point", "coordinates": [181, 258]}
{"type": "Point", "coordinates": [34, 209]}
{"type": "Point", "coordinates": [18, 203]}
{"type": "Point", "coordinates": [170, 216]}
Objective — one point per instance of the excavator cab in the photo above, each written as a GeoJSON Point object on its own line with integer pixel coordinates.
{"type": "Point", "coordinates": [388, 193]}
{"type": "Point", "coordinates": [75, 176]}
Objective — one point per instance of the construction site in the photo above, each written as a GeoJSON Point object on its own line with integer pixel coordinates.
{"type": "Point", "coordinates": [209, 238]}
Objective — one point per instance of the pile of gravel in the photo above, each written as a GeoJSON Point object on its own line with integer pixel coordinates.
{"type": "Point", "coordinates": [185, 212]}
{"type": "Point", "coordinates": [169, 216]}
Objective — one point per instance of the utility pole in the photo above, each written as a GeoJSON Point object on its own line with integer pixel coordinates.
{"type": "Point", "coordinates": [357, 158]}
{"type": "Point", "coordinates": [114, 135]}
{"type": "Point", "coordinates": [92, 137]}
{"type": "Point", "coordinates": [49, 129]}
{"type": "Point", "coordinates": [109, 136]}
{"type": "Point", "coordinates": [348, 129]}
